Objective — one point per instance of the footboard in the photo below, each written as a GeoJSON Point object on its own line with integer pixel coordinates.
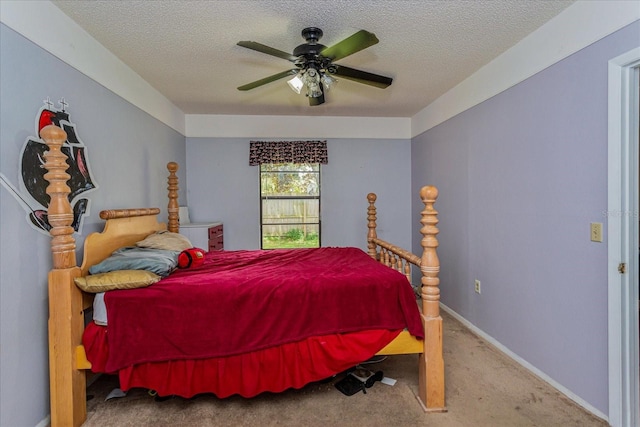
{"type": "Point", "coordinates": [431, 362]}
{"type": "Point", "coordinates": [390, 255]}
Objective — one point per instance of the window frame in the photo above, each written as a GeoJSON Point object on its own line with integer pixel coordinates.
{"type": "Point", "coordinates": [318, 198]}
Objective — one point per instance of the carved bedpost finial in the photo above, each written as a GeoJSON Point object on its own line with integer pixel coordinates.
{"type": "Point", "coordinates": [59, 213]}
{"type": "Point", "coordinates": [429, 264]}
{"type": "Point", "coordinates": [173, 209]}
{"type": "Point", "coordinates": [371, 216]}
{"type": "Point", "coordinates": [67, 385]}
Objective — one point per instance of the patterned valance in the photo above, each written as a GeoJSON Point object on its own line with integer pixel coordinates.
{"type": "Point", "coordinates": [287, 152]}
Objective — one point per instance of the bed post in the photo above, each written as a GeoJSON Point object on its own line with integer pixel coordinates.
{"type": "Point", "coordinates": [431, 364]}
{"type": "Point", "coordinates": [371, 216]}
{"type": "Point", "coordinates": [66, 321]}
{"type": "Point", "coordinates": [173, 209]}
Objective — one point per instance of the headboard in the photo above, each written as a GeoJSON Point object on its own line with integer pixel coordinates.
{"type": "Point", "coordinates": [124, 227]}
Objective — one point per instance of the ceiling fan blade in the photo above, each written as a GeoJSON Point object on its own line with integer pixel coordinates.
{"type": "Point", "coordinates": [268, 50]}
{"type": "Point", "coordinates": [362, 76]}
{"type": "Point", "coordinates": [355, 43]}
{"type": "Point", "coordinates": [269, 79]}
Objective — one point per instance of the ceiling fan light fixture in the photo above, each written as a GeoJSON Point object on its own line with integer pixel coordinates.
{"type": "Point", "coordinates": [311, 76]}
{"type": "Point", "coordinates": [314, 91]}
{"type": "Point", "coordinates": [296, 83]}
{"type": "Point", "coordinates": [327, 81]}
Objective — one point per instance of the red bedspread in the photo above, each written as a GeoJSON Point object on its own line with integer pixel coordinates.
{"type": "Point", "coordinates": [243, 301]}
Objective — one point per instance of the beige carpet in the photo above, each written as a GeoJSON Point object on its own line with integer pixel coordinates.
{"type": "Point", "coordinates": [484, 388]}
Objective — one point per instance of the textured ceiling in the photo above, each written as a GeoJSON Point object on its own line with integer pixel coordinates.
{"type": "Point", "coordinates": [187, 49]}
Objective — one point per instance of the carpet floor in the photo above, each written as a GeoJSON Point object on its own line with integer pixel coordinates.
{"type": "Point", "coordinates": [483, 388]}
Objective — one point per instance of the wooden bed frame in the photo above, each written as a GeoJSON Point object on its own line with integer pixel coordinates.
{"type": "Point", "coordinates": [67, 360]}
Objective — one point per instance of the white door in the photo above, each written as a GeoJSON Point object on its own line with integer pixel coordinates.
{"type": "Point", "coordinates": [623, 241]}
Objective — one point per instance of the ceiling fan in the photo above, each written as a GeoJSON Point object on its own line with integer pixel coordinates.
{"type": "Point", "coordinates": [314, 64]}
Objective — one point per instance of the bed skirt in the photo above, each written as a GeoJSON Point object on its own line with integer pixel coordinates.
{"type": "Point", "coordinates": [275, 369]}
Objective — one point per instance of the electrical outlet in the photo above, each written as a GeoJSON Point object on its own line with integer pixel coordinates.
{"type": "Point", "coordinates": [596, 232]}
{"type": "Point", "coordinates": [477, 286]}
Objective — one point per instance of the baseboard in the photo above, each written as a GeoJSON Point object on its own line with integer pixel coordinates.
{"type": "Point", "coordinates": [45, 422]}
{"type": "Point", "coordinates": [538, 373]}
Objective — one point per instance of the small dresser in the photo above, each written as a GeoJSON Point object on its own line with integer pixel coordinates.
{"type": "Point", "coordinates": [216, 242]}
{"type": "Point", "coordinates": [205, 235]}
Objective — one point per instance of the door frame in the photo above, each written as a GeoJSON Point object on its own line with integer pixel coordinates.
{"type": "Point", "coordinates": [622, 230]}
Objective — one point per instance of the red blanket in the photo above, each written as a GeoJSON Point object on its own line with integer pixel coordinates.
{"type": "Point", "coordinates": [242, 301]}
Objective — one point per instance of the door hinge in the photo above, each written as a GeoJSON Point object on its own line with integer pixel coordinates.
{"type": "Point", "coordinates": [622, 268]}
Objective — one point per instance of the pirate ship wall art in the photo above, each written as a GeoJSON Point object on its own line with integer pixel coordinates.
{"type": "Point", "coordinates": [36, 201]}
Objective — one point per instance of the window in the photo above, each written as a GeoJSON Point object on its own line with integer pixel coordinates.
{"type": "Point", "coordinates": [290, 205]}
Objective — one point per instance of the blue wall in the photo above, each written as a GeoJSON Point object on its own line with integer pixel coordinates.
{"type": "Point", "coordinates": [127, 150]}
{"type": "Point", "coordinates": [521, 176]}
